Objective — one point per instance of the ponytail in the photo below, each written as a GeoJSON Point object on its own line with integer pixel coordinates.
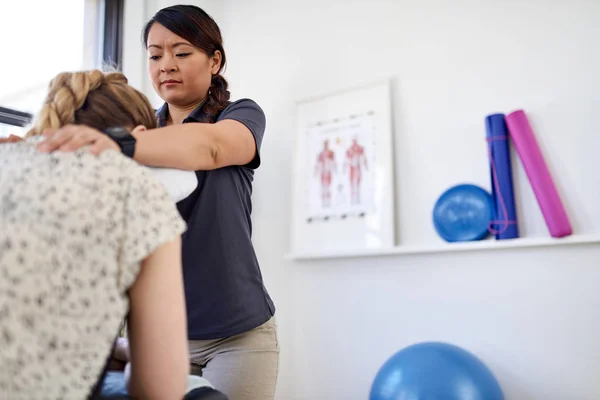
{"type": "Point", "coordinates": [217, 100]}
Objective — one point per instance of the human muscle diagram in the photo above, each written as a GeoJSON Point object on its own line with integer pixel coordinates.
{"type": "Point", "coordinates": [341, 181]}
{"type": "Point", "coordinates": [325, 169]}
{"type": "Point", "coordinates": [355, 162]}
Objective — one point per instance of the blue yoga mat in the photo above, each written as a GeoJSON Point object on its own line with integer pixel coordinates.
{"type": "Point", "coordinates": [504, 225]}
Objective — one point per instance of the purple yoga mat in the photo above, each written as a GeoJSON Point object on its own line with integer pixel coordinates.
{"type": "Point", "coordinates": [536, 169]}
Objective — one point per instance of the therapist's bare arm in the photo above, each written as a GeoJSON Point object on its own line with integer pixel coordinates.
{"type": "Point", "coordinates": [157, 328]}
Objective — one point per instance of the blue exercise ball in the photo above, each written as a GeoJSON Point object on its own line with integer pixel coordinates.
{"type": "Point", "coordinates": [435, 371]}
{"type": "Point", "coordinates": [463, 213]}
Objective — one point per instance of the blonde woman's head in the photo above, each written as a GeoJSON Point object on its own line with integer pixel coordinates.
{"type": "Point", "coordinates": [94, 98]}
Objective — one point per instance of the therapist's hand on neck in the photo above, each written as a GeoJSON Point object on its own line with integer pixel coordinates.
{"type": "Point", "coordinates": [73, 137]}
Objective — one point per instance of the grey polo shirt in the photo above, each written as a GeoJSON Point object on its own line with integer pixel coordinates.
{"type": "Point", "coordinates": [224, 287]}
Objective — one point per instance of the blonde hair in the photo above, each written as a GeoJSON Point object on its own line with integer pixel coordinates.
{"type": "Point", "coordinates": [94, 98]}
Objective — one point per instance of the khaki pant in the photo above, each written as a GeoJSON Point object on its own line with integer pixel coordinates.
{"type": "Point", "coordinates": [244, 367]}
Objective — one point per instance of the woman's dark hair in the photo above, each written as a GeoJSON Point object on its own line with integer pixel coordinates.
{"type": "Point", "coordinates": [197, 27]}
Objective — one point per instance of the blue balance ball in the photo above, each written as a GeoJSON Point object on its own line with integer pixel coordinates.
{"type": "Point", "coordinates": [463, 213]}
{"type": "Point", "coordinates": [435, 371]}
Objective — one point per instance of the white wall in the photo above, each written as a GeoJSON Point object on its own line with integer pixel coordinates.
{"type": "Point", "coordinates": [531, 315]}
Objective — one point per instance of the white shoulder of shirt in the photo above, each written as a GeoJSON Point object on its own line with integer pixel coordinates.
{"type": "Point", "coordinates": [178, 183]}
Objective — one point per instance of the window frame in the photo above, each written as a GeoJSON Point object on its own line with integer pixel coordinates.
{"type": "Point", "coordinates": [8, 116]}
{"type": "Point", "coordinates": [112, 35]}
{"type": "Point", "coordinates": [104, 21]}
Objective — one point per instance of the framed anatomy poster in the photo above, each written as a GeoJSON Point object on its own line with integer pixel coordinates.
{"type": "Point", "coordinates": [343, 173]}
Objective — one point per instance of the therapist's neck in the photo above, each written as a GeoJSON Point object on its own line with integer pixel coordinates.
{"type": "Point", "coordinates": [178, 113]}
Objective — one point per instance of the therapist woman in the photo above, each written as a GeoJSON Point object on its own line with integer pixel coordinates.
{"type": "Point", "coordinates": [230, 315]}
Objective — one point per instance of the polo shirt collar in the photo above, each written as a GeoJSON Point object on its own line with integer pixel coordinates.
{"type": "Point", "coordinates": [195, 116]}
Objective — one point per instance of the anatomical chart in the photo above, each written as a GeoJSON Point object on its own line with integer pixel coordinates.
{"type": "Point", "coordinates": [341, 168]}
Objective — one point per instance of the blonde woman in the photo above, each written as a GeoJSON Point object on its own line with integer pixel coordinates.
{"type": "Point", "coordinates": [86, 240]}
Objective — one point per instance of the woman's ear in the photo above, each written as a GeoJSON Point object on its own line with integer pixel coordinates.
{"type": "Point", "coordinates": [139, 128]}
{"type": "Point", "coordinates": [215, 62]}
{"type": "Point", "coordinates": [135, 131]}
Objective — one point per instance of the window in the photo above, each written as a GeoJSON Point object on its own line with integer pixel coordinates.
{"type": "Point", "coordinates": [42, 38]}
{"type": "Point", "coordinates": [13, 122]}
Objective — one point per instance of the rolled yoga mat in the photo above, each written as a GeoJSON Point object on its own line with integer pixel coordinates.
{"type": "Point", "coordinates": [536, 169]}
{"type": "Point", "coordinates": [504, 225]}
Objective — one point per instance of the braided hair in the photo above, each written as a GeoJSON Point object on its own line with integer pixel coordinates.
{"type": "Point", "coordinates": [94, 98]}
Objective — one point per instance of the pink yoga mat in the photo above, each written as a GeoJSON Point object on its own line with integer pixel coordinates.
{"type": "Point", "coordinates": [536, 169]}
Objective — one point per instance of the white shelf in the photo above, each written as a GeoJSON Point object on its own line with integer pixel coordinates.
{"type": "Point", "coordinates": [482, 245]}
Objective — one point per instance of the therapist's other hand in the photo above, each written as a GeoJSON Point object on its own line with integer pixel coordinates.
{"type": "Point", "coordinates": [73, 137]}
{"type": "Point", "coordinates": [11, 139]}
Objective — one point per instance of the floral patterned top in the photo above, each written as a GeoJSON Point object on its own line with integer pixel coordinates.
{"type": "Point", "coordinates": [74, 229]}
